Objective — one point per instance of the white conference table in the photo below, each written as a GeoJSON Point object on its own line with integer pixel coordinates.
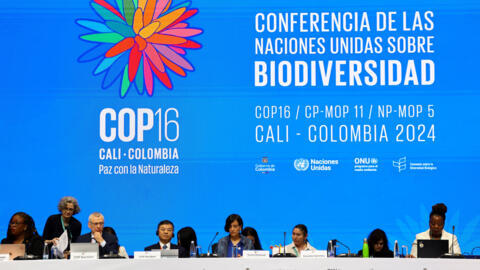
{"type": "Point", "coordinates": [247, 264]}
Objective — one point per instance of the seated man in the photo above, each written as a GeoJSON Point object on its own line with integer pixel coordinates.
{"type": "Point", "coordinates": [165, 234]}
{"type": "Point", "coordinates": [107, 243]}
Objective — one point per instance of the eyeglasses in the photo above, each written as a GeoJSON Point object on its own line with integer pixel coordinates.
{"type": "Point", "coordinates": [97, 223]}
{"type": "Point", "coordinates": [16, 223]}
{"type": "Point", "coordinates": [69, 209]}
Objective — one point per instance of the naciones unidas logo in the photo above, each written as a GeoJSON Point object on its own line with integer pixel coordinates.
{"type": "Point", "coordinates": [138, 40]}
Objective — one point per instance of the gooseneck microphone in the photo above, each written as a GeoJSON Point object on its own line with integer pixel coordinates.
{"type": "Point", "coordinates": [451, 253]}
{"type": "Point", "coordinates": [338, 241]}
{"type": "Point", "coordinates": [283, 254]}
{"type": "Point", "coordinates": [211, 242]}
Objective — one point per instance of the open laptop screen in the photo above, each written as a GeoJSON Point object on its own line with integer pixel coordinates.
{"type": "Point", "coordinates": [431, 248]}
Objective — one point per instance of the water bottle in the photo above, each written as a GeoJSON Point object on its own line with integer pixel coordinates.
{"type": "Point", "coordinates": [45, 251]}
{"type": "Point", "coordinates": [193, 250]}
{"type": "Point", "coordinates": [331, 253]}
{"type": "Point", "coordinates": [396, 252]}
{"type": "Point", "coordinates": [234, 251]}
{"type": "Point", "coordinates": [365, 248]}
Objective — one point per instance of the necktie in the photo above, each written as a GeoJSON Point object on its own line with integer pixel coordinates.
{"type": "Point", "coordinates": [164, 247]}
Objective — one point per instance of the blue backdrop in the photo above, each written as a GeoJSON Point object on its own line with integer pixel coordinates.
{"type": "Point", "coordinates": [50, 138]}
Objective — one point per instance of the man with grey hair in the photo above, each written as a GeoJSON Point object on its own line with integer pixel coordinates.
{"type": "Point", "coordinates": [107, 243]}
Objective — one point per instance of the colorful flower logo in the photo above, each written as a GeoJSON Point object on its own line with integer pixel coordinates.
{"type": "Point", "coordinates": [137, 39]}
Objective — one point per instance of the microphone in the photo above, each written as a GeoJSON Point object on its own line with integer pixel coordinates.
{"type": "Point", "coordinates": [211, 242]}
{"type": "Point", "coordinates": [338, 241]}
{"type": "Point", "coordinates": [283, 254]}
{"type": "Point", "coordinates": [452, 254]}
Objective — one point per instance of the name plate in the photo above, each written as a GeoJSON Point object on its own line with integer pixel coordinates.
{"type": "Point", "coordinates": [146, 255]}
{"type": "Point", "coordinates": [313, 254]}
{"type": "Point", "coordinates": [83, 256]}
{"type": "Point", "coordinates": [256, 254]}
{"type": "Point", "coordinates": [4, 257]}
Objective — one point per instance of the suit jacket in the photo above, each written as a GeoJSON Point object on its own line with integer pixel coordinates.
{"type": "Point", "coordinates": [223, 245]}
{"type": "Point", "coordinates": [157, 246]}
{"type": "Point", "coordinates": [111, 245]}
{"type": "Point", "coordinates": [53, 228]}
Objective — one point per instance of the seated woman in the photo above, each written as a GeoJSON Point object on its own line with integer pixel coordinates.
{"type": "Point", "coordinates": [57, 224]}
{"type": "Point", "coordinates": [21, 230]}
{"type": "Point", "coordinates": [378, 245]}
{"type": "Point", "coordinates": [122, 252]}
{"type": "Point", "coordinates": [299, 241]}
{"type": "Point", "coordinates": [233, 244]}
{"type": "Point", "coordinates": [251, 234]}
{"type": "Point", "coordinates": [436, 231]}
{"type": "Point", "coordinates": [185, 236]}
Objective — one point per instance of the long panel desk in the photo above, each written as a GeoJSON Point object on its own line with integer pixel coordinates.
{"type": "Point", "coordinates": [247, 264]}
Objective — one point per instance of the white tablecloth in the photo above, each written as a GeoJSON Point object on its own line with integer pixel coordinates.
{"type": "Point", "coordinates": [247, 264]}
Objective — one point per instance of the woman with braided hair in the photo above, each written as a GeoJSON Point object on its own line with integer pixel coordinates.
{"type": "Point", "coordinates": [436, 231]}
{"type": "Point", "coordinates": [21, 230]}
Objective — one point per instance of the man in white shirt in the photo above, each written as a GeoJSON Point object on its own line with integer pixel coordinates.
{"type": "Point", "coordinates": [164, 232]}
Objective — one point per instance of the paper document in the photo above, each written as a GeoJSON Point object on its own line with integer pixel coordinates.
{"type": "Point", "coordinates": [60, 245]}
{"type": "Point", "coordinates": [62, 242]}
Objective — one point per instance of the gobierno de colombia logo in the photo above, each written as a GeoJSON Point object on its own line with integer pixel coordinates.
{"type": "Point", "coordinates": [138, 40]}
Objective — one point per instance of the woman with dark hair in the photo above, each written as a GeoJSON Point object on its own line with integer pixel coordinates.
{"type": "Point", "coordinates": [378, 245]}
{"type": "Point", "coordinates": [122, 252]}
{"type": "Point", "coordinates": [185, 236]}
{"type": "Point", "coordinates": [21, 230]}
{"type": "Point", "coordinates": [251, 234]}
{"type": "Point", "coordinates": [57, 224]}
{"type": "Point", "coordinates": [299, 241]}
{"type": "Point", "coordinates": [436, 231]}
{"type": "Point", "coordinates": [234, 243]}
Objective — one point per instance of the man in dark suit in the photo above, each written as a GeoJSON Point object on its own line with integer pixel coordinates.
{"type": "Point", "coordinates": [165, 234]}
{"type": "Point", "coordinates": [107, 243]}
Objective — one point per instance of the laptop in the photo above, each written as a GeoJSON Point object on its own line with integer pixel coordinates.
{"type": "Point", "coordinates": [15, 250]}
{"type": "Point", "coordinates": [431, 248]}
{"type": "Point", "coordinates": [84, 248]}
